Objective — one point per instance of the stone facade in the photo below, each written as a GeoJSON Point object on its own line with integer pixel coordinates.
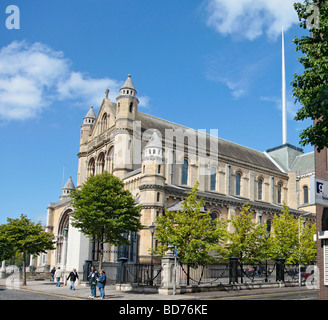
{"type": "Point", "coordinates": [160, 161]}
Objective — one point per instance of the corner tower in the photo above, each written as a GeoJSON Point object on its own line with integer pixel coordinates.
{"type": "Point", "coordinates": [152, 195]}
{"type": "Point", "coordinates": [126, 112]}
{"type": "Point", "coordinates": [127, 105]}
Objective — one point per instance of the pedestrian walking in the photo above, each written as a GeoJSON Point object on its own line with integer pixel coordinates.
{"type": "Point", "coordinates": [93, 275]}
{"type": "Point", "coordinates": [101, 282]}
{"type": "Point", "coordinates": [58, 275]}
{"type": "Point", "coordinates": [53, 270]}
{"type": "Point", "coordinates": [72, 276]}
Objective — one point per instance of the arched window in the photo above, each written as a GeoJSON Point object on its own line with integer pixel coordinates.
{"type": "Point", "coordinates": [184, 172]}
{"type": "Point", "coordinates": [305, 194]}
{"type": "Point", "coordinates": [213, 179]}
{"type": "Point", "coordinates": [238, 183]}
{"type": "Point", "coordinates": [91, 167]}
{"type": "Point", "coordinates": [259, 188]}
{"type": "Point", "coordinates": [215, 214]}
{"type": "Point", "coordinates": [110, 160]}
{"type": "Point", "coordinates": [279, 192]}
{"type": "Point", "coordinates": [101, 163]}
{"type": "Point", "coordinates": [268, 228]}
{"type": "Point", "coordinates": [131, 106]}
{"type": "Point", "coordinates": [104, 122]}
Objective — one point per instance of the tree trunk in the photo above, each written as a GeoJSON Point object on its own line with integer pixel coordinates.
{"type": "Point", "coordinates": [188, 274]}
{"type": "Point", "coordinates": [24, 267]}
{"type": "Point", "coordinates": [101, 254]}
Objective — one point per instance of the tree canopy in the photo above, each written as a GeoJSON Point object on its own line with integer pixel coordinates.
{"type": "Point", "coordinates": [247, 239]}
{"type": "Point", "coordinates": [24, 236]}
{"type": "Point", "coordinates": [195, 233]}
{"type": "Point", "coordinates": [104, 211]}
{"type": "Point", "coordinates": [311, 87]}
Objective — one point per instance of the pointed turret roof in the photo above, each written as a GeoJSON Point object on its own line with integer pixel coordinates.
{"type": "Point", "coordinates": [154, 142]}
{"type": "Point", "coordinates": [90, 114]}
{"type": "Point", "coordinates": [69, 184]}
{"type": "Point", "coordinates": [128, 84]}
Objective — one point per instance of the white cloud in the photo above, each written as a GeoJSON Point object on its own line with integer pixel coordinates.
{"type": "Point", "coordinates": [249, 19]}
{"type": "Point", "coordinates": [32, 77]}
{"type": "Point", "coordinates": [291, 107]}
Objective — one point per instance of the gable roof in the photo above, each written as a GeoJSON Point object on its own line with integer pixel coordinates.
{"type": "Point", "coordinates": [225, 148]}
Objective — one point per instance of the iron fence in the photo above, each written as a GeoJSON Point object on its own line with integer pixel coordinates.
{"type": "Point", "coordinates": [246, 273]}
{"type": "Point", "coordinates": [144, 274]}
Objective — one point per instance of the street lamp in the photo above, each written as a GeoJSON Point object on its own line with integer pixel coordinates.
{"type": "Point", "coordinates": [299, 246]}
{"type": "Point", "coordinates": [266, 236]}
{"type": "Point", "coordinates": [152, 228]}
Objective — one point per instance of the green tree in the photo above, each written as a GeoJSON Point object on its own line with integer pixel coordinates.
{"type": "Point", "coordinates": [6, 250]}
{"type": "Point", "coordinates": [311, 87]}
{"type": "Point", "coordinates": [195, 233]}
{"type": "Point", "coordinates": [25, 237]}
{"type": "Point", "coordinates": [104, 211]}
{"type": "Point", "coordinates": [308, 245]}
{"type": "Point", "coordinates": [247, 239]}
{"type": "Point", "coordinates": [285, 240]}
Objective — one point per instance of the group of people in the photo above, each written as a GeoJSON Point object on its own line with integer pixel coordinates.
{"type": "Point", "coordinates": [96, 279]}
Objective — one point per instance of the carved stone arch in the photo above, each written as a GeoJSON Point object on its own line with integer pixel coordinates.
{"type": "Point", "coordinates": [62, 236]}
{"type": "Point", "coordinates": [101, 162]}
{"type": "Point", "coordinates": [91, 167]}
{"type": "Point", "coordinates": [104, 122]}
{"type": "Point", "coordinates": [110, 159]}
{"type": "Point", "coordinates": [215, 213]}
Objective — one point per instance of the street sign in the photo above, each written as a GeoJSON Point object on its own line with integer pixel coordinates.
{"type": "Point", "coordinates": [321, 192]}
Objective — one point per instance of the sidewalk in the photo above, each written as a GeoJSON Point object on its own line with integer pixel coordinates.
{"type": "Point", "coordinates": [83, 292]}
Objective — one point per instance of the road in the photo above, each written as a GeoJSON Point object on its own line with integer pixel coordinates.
{"type": "Point", "coordinates": [25, 294]}
{"type": "Point", "coordinates": [292, 293]}
{"type": "Point", "coordinates": [288, 295]}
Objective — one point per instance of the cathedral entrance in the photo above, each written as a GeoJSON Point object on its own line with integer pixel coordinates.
{"type": "Point", "coordinates": [62, 240]}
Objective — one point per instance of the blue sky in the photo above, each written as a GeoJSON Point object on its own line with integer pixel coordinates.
{"type": "Point", "coordinates": [206, 64]}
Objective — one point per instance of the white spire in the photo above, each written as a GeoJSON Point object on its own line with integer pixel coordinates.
{"type": "Point", "coordinates": [283, 98]}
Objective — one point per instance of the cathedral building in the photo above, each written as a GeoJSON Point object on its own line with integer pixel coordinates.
{"type": "Point", "coordinates": [159, 162]}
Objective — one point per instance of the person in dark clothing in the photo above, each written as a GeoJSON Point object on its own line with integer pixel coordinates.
{"type": "Point", "coordinates": [73, 276]}
{"type": "Point", "coordinates": [53, 270]}
{"type": "Point", "coordinates": [93, 275]}
{"type": "Point", "coordinates": [101, 282]}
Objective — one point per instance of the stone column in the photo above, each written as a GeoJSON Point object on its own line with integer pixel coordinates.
{"type": "Point", "coordinates": [168, 274]}
{"type": "Point", "coordinates": [3, 270]}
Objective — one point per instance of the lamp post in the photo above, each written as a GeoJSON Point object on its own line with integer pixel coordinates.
{"type": "Point", "coordinates": [64, 254]}
{"type": "Point", "coordinates": [266, 236]}
{"type": "Point", "coordinates": [299, 247]}
{"type": "Point", "coordinates": [152, 231]}
{"type": "Point", "coordinates": [175, 254]}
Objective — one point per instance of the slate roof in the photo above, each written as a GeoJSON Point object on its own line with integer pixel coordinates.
{"type": "Point", "coordinates": [225, 148]}
{"type": "Point", "coordinates": [128, 84]}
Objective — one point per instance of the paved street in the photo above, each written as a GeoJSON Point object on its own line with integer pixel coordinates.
{"type": "Point", "coordinates": [46, 290]}
{"type": "Point", "coordinates": [22, 294]}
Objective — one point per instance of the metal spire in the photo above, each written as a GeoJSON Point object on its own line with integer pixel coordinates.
{"type": "Point", "coordinates": [284, 110]}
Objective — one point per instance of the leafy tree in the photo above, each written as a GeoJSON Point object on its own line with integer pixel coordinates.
{"type": "Point", "coordinates": [104, 211]}
{"type": "Point", "coordinates": [6, 250]}
{"type": "Point", "coordinates": [194, 232]}
{"type": "Point", "coordinates": [311, 87]}
{"type": "Point", "coordinates": [25, 237]}
{"type": "Point", "coordinates": [308, 245]}
{"type": "Point", "coordinates": [285, 240]}
{"type": "Point", "coordinates": [247, 239]}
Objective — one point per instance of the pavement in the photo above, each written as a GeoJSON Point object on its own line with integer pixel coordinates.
{"type": "Point", "coordinates": [82, 292]}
